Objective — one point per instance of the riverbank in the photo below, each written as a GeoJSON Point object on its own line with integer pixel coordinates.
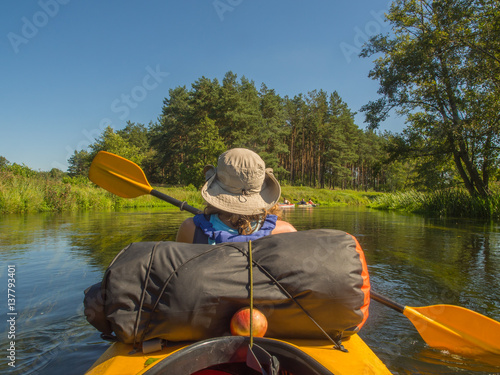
{"type": "Point", "coordinates": [41, 193]}
{"type": "Point", "coordinates": [26, 192]}
{"type": "Point", "coordinates": [32, 192]}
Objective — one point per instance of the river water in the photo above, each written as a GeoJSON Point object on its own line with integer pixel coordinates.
{"type": "Point", "coordinates": [51, 258]}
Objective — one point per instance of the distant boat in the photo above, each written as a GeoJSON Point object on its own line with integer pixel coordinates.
{"type": "Point", "coordinates": [287, 205]}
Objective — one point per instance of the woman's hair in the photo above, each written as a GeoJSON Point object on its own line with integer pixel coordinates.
{"type": "Point", "coordinates": [243, 223]}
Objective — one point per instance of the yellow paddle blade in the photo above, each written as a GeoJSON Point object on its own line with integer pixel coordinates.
{"type": "Point", "coordinates": [456, 329]}
{"type": "Point", "coordinates": [118, 175]}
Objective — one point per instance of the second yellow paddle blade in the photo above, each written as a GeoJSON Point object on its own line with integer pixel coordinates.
{"type": "Point", "coordinates": [118, 175]}
{"type": "Point", "coordinates": [456, 329]}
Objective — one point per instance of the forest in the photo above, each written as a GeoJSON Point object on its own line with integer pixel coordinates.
{"type": "Point", "coordinates": [309, 140]}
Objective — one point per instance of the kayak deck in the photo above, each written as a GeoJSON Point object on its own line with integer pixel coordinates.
{"type": "Point", "coordinates": [295, 357]}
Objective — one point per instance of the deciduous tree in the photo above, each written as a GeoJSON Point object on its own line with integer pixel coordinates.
{"type": "Point", "coordinates": [438, 68]}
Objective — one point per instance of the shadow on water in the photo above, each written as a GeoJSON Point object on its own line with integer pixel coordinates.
{"type": "Point", "coordinates": [414, 260]}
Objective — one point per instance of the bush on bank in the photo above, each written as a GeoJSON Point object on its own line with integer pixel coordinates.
{"type": "Point", "coordinates": [450, 203]}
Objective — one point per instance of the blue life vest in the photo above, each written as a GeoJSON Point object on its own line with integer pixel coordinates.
{"type": "Point", "coordinates": [206, 233]}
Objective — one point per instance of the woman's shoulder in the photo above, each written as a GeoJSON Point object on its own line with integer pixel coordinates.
{"type": "Point", "coordinates": [186, 231]}
{"type": "Point", "coordinates": [283, 227]}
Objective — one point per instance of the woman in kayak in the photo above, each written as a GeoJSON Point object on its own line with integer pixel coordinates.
{"type": "Point", "coordinates": [242, 202]}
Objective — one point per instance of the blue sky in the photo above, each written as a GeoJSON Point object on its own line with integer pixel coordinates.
{"type": "Point", "coordinates": [71, 67]}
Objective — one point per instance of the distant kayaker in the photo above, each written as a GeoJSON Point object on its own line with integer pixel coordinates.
{"type": "Point", "coordinates": [302, 201]}
{"type": "Point", "coordinates": [286, 201]}
{"type": "Point", "coordinates": [242, 202]}
{"type": "Point", "coordinates": [310, 201]}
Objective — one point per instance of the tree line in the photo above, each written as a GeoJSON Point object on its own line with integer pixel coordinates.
{"type": "Point", "coordinates": [308, 140]}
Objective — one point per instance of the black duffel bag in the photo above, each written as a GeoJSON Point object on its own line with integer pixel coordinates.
{"type": "Point", "coordinates": [178, 291]}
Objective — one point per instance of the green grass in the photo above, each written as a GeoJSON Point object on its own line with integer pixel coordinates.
{"type": "Point", "coordinates": [449, 203]}
{"type": "Point", "coordinates": [37, 193]}
{"type": "Point", "coordinates": [21, 193]}
{"type": "Point", "coordinates": [328, 198]}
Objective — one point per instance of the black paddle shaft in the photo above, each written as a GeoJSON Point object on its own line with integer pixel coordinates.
{"type": "Point", "coordinates": [386, 301]}
{"type": "Point", "coordinates": [182, 205]}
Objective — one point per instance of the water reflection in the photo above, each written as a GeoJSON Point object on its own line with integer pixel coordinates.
{"type": "Point", "coordinates": [414, 260]}
{"type": "Point", "coordinates": [100, 238]}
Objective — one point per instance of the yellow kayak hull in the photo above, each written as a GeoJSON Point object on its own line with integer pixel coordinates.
{"type": "Point", "coordinates": [295, 357]}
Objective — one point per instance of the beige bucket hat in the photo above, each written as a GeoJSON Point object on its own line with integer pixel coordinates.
{"type": "Point", "coordinates": [240, 184]}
